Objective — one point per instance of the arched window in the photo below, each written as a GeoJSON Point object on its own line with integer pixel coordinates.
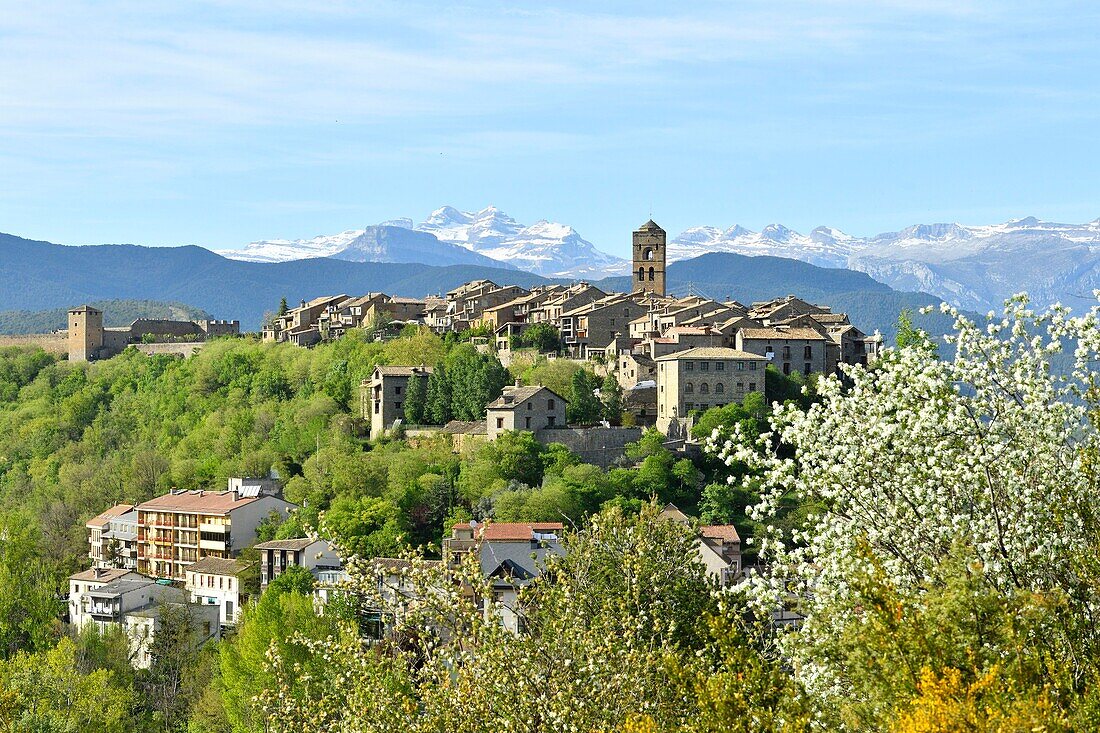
{"type": "Point", "coordinates": [641, 273]}
{"type": "Point", "coordinates": [689, 388]}
{"type": "Point", "coordinates": [704, 388]}
{"type": "Point", "coordinates": [651, 274]}
{"type": "Point", "coordinates": [719, 388]}
{"type": "Point", "coordinates": [648, 255]}
{"type": "Point", "coordinates": [809, 352]}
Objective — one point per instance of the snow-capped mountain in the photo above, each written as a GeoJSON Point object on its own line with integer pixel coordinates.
{"type": "Point", "coordinates": [545, 248]}
{"type": "Point", "coordinates": [823, 246]}
{"type": "Point", "coordinates": [971, 266]}
{"type": "Point", "coordinates": [488, 237]}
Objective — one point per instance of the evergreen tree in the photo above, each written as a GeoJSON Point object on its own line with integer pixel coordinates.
{"type": "Point", "coordinates": [584, 407]}
{"type": "Point", "coordinates": [283, 307]}
{"type": "Point", "coordinates": [438, 399]}
{"type": "Point", "coordinates": [611, 393]}
{"type": "Point", "coordinates": [476, 380]}
{"type": "Point", "coordinates": [416, 401]}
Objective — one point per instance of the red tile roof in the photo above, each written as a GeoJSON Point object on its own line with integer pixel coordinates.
{"type": "Point", "coordinates": [511, 531]}
{"type": "Point", "coordinates": [116, 511]}
{"type": "Point", "coordinates": [724, 532]}
{"type": "Point", "coordinates": [105, 575]}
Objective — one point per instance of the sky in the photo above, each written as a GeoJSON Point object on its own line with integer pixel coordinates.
{"type": "Point", "coordinates": [218, 123]}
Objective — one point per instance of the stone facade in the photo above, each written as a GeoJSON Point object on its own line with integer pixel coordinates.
{"type": "Point", "coordinates": [383, 397]}
{"type": "Point", "coordinates": [700, 378]}
{"type": "Point", "coordinates": [89, 340]}
{"type": "Point", "coordinates": [649, 259]}
{"type": "Point", "coordinates": [525, 408]}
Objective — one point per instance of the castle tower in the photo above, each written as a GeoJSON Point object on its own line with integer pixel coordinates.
{"type": "Point", "coordinates": [649, 259]}
{"type": "Point", "coordinates": [85, 333]}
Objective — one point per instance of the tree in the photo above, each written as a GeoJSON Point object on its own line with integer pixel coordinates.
{"type": "Point", "coordinates": [611, 394]}
{"type": "Point", "coordinates": [542, 337]}
{"type": "Point", "coordinates": [48, 691]}
{"type": "Point", "coordinates": [584, 406]}
{"type": "Point", "coordinates": [475, 380]}
{"type": "Point", "coordinates": [438, 398]}
{"type": "Point", "coordinates": [955, 523]}
{"type": "Point", "coordinates": [173, 650]}
{"type": "Point", "coordinates": [909, 335]}
{"type": "Point", "coordinates": [416, 401]}
{"type": "Point", "coordinates": [283, 307]}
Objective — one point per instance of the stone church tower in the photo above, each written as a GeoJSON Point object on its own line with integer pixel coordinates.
{"type": "Point", "coordinates": [649, 259]}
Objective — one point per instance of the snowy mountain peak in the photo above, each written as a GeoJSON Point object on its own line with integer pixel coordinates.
{"type": "Point", "coordinates": [777, 233]}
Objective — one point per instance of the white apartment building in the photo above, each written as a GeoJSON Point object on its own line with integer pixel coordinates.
{"type": "Point", "coordinates": [214, 581]}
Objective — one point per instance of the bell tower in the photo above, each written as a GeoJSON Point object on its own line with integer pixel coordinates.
{"type": "Point", "coordinates": [649, 259]}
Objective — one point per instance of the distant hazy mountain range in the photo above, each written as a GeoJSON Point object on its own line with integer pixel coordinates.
{"type": "Point", "coordinates": [40, 275]}
{"type": "Point", "coordinates": [974, 267]}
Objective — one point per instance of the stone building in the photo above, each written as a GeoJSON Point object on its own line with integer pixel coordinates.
{"type": "Point", "coordinates": [789, 349]}
{"type": "Point", "coordinates": [89, 340]}
{"type": "Point", "coordinates": [649, 259]}
{"type": "Point", "coordinates": [383, 397]}
{"type": "Point", "coordinates": [525, 408]}
{"type": "Point", "coordinates": [701, 378]}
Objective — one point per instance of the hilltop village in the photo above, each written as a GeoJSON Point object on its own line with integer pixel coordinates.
{"type": "Point", "coordinates": [670, 358]}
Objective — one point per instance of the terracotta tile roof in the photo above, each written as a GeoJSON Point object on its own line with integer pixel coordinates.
{"type": "Point", "coordinates": [724, 532]}
{"type": "Point", "coordinates": [108, 575]}
{"type": "Point", "coordinates": [116, 511]}
{"type": "Point", "coordinates": [216, 566]}
{"type": "Point", "coordinates": [213, 502]}
{"type": "Point", "coordinates": [510, 531]}
{"type": "Point", "coordinates": [710, 352]}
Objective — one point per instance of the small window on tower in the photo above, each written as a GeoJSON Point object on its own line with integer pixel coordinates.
{"type": "Point", "coordinates": [641, 273]}
{"type": "Point", "coordinates": [651, 274]}
{"type": "Point", "coordinates": [648, 256]}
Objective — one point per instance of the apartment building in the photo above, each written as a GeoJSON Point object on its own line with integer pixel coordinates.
{"type": "Point", "coordinates": [112, 538]}
{"type": "Point", "coordinates": [84, 582]}
{"type": "Point", "coordinates": [701, 378]}
{"type": "Point", "coordinates": [182, 527]}
{"type": "Point", "coordinates": [136, 605]}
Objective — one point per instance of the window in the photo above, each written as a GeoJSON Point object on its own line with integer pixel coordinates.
{"type": "Point", "coordinates": [808, 352]}
{"type": "Point", "coordinates": [612, 321]}
{"type": "Point", "coordinates": [786, 352]}
{"type": "Point", "coordinates": [377, 407]}
{"type": "Point", "coordinates": [740, 386]}
{"type": "Point", "coordinates": [689, 388]}
{"type": "Point", "coordinates": [527, 422]}
{"type": "Point", "coordinates": [704, 366]}
{"type": "Point", "coordinates": [530, 406]}
{"type": "Point", "coordinates": [806, 369]}
{"type": "Point", "coordinates": [786, 367]}
{"type": "Point", "coordinates": [397, 405]}
{"type": "Point", "coordinates": [752, 386]}
{"type": "Point", "coordinates": [651, 274]}
{"type": "Point", "coordinates": [752, 366]}
{"type": "Point", "coordinates": [719, 388]}
{"type": "Point", "coordinates": [648, 255]}
{"type": "Point", "coordinates": [719, 366]}
{"type": "Point", "coordinates": [704, 388]}
{"type": "Point", "coordinates": [397, 390]}
{"type": "Point", "coordinates": [551, 421]}
{"type": "Point", "coordinates": [500, 423]}
{"type": "Point", "coordinates": [549, 404]}
{"type": "Point", "coordinates": [641, 273]}
{"type": "Point", "coordinates": [689, 366]}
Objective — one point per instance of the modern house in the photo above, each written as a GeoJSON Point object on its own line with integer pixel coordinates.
{"type": "Point", "coordinates": [315, 555]}
{"type": "Point", "coordinates": [215, 581]}
{"type": "Point", "coordinates": [512, 554]}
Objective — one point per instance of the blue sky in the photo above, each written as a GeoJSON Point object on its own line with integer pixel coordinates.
{"type": "Point", "coordinates": [218, 123]}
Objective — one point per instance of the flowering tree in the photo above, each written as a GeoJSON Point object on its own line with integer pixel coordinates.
{"type": "Point", "coordinates": [971, 479]}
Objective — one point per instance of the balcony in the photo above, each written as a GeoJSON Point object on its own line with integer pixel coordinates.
{"type": "Point", "coordinates": [205, 544]}
{"type": "Point", "coordinates": [211, 527]}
